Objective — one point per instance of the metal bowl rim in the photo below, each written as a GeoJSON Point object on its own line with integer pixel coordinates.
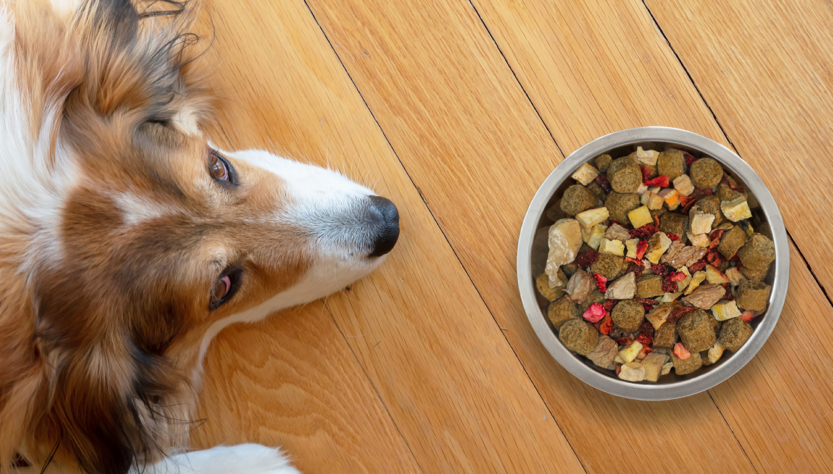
{"type": "Point", "coordinates": [613, 385]}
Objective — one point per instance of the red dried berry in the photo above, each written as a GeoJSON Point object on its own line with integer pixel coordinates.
{"type": "Point", "coordinates": [594, 313]}
{"type": "Point", "coordinates": [605, 325]}
{"type": "Point", "coordinates": [681, 352]}
{"type": "Point", "coordinates": [637, 269]}
{"type": "Point", "coordinates": [643, 232]}
{"type": "Point", "coordinates": [641, 247]}
{"type": "Point", "coordinates": [678, 313]}
{"type": "Point", "coordinates": [669, 286]}
{"type": "Point", "coordinates": [618, 369]}
{"type": "Point", "coordinates": [714, 258]}
{"type": "Point", "coordinates": [646, 349]}
{"type": "Point", "coordinates": [646, 301]}
{"type": "Point", "coordinates": [602, 181]}
{"type": "Point", "coordinates": [609, 304]}
{"type": "Point", "coordinates": [689, 159]}
{"type": "Point", "coordinates": [585, 259]}
{"type": "Point", "coordinates": [748, 315]}
{"type": "Point", "coordinates": [736, 261]}
{"type": "Point", "coordinates": [708, 192]}
{"type": "Point", "coordinates": [659, 268]}
{"type": "Point", "coordinates": [601, 282]}
{"type": "Point", "coordinates": [673, 236]}
{"type": "Point", "coordinates": [661, 181]}
{"type": "Point", "coordinates": [677, 276]}
{"type": "Point", "coordinates": [656, 220]}
{"type": "Point", "coordinates": [697, 266]}
{"type": "Point", "coordinates": [646, 174]}
{"type": "Point", "coordinates": [732, 184]}
{"type": "Point", "coordinates": [716, 234]}
{"type": "Point", "coordinates": [644, 340]}
{"type": "Point", "coordinates": [624, 341]}
{"type": "Point", "coordinates": [647, 329]}
{"type": "Point", "coordinates": [687, 202]}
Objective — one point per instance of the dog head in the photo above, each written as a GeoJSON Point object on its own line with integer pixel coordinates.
{"type": "Point", "coordinates": [146, 239]}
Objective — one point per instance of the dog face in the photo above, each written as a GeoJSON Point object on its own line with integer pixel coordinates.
{"type": "Point", "coordinates": [143, 239]}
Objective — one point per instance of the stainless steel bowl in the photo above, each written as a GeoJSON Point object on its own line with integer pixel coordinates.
{"type": "Point", "coordinates": [532, 248]}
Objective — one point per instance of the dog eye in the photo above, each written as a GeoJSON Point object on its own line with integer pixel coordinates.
{"type": "Point", "coordinates": [225, 287]}
{"type": "Point", "coordinates": [220, 169]}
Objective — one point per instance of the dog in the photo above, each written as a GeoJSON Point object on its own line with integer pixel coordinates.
{"type": "Point", "coordinates": [128, 241]}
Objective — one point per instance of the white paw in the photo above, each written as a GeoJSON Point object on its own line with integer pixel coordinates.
{"type": "Point", "coordinates": [239, 459]}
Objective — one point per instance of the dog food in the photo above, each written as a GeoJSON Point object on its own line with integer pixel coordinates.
{"type": "Point", "coordinates": [658, 268]}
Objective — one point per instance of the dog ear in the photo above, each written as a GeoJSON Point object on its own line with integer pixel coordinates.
{"type": "Point", "coordinates": [110, 390]}
{"type": "Point", "coordinates": [138, 62]}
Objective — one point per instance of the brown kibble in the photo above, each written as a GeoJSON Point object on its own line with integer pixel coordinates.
{"type": "Point", "coordinates": [609, 266]}
{"type": "Point", "coordinates": [603, 162]}
{"type": "Point", "coordinates": [666, 335]}
{"type": "Point", "coordinates": [649, 286]}
{"type": "Point", "coordinates": [619, 205]}
{"type": "Point", "coordinates": [687, 366]}
{"type": "Point", "coordinates": [579, 336]}
{"type": "Point", "coordinates": [734, 334]}
{"type": "Point", "coordinates": [671, 163]}
{"type": "Point", "coordinates": [753, 295]}
{"type": "Point", "coordinates": [577, 199]}
{"type": "Point", "coordinates": [731, 242]}
{"type": "Point", "coordinates": [757, 252]}
{"type": "Point", "coordinates": [562, 310]}
{"type": "Point", "coordinates": [696, 331]}
{"type": "Point", "coordinates": [705, 173]}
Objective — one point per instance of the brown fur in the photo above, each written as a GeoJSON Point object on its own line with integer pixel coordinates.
{"type": "Point", "coordinates": [99, 345]}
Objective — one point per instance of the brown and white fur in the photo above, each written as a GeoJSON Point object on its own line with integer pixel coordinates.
{"type": "Point", "coordinates": [127, 241]}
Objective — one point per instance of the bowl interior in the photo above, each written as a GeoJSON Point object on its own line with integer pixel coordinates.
{"type": "Point", "coordinates": [759, 221]}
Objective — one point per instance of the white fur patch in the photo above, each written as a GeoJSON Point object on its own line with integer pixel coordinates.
{"type": "Point", "coordinates": [136, 209]}
{"type": "Point", "coordinates": [239, 459]}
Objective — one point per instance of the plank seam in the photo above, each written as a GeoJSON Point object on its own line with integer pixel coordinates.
{"type": "Point", "coordinates": [726, 136]}
{"type": "Point", "coordinates": [428, 206]}
{"type": "Point", "coordinates": [528, 99]}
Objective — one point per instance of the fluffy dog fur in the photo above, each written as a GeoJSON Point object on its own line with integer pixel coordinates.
{"type": "Point", "coordinates": [124, 248]}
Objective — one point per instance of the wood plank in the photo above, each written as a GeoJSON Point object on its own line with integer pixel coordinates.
{"type": "Point", "coordinates": [440, 364]}
{"type": "Point", "coordinates": [292, 381]}
{"type": "Point", "coordinates": [534, 36]}
{"type": "Point", "coordinates": [781, 404]}
{"type": "Point", "coordinates": [764, 67]}
{"type": "Point", "coordinates": [474, 146]}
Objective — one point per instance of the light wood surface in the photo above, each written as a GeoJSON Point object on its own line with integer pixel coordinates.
{"type": "Point", "coordinates": [456, 110]}
{"type": "Point", "coordinates": [764, 67]}
{"type": "Point", "coordinates": [425, 340]}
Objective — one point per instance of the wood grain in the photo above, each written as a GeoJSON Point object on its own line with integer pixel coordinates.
{"type": "Point", "coordinates": [648, 73]}
{"type": "Point", "coordinates": [780, 405]}
{"type": "Point", "coordinates": [472, 143]}
{"type": "Point", "coordinates": [764, 68]}
{"type": "Point", "coordinates": [293, 382]}
{"type": "Point", "coordinates": [440, 364]}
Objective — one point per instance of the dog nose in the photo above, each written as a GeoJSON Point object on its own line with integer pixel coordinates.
{"type": "Point", "coordinates": [386, 217]}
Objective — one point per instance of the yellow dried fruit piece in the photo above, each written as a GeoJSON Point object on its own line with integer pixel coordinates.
{"type": "Point", "coordinates": [715, 276]}
{"type": "Point", "coordinates": [596, 236]}
{"type": "Point", "coordinates": [629, 353]}
{"type": "Point", "coordinates": [683, 185]}
{"type": "Point", "coordinates": [736, 210]}
{"type": "Point", "coordinates": [585, 174]}
{"type": "Point", "coordinates": [701, 240]}
{"type": "Point", "coordinates": [646, 157]}
{"type": "Point", "coordinates": [631, 245]}
{"type": "Point", "coordinates": [701, 223]}
{"type": "Point", "coordinates": [640, 217]}
{"type": "Point", "coordinates": [657, 245]}
{"type": "Point", "coordinates": [614, 247]}
{"type": "Point", "coordinates": [725, 311]}
{"type": "Point", "coordinates": [696, 279]}
{"type": "Point", "coordinates": [671, 198]}
{"type": "Point", "coordinates": [591, 217]}
{"type": "Point", "coordinates": [632, 372]}
{"type": "Point", "coordinates": [716, 352]}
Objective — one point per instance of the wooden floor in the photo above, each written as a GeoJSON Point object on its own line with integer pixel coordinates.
{"type": "Point", "coordinates": [457, 110]}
